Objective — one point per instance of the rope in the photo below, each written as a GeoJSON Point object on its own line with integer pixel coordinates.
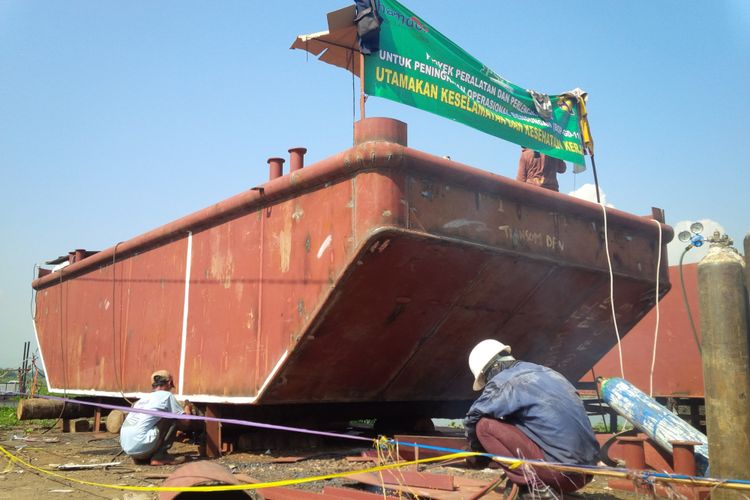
{"type": "Point", "coordinates": [612, 289]}
{"type": "Point", "coordinates": [656, 329]}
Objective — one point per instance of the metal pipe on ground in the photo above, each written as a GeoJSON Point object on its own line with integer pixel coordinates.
{"type": "Point", "coordinates": [726, 363]}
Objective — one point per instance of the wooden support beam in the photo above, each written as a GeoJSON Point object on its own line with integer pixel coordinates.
{"type": "Point", "coordinates": [35, 408]}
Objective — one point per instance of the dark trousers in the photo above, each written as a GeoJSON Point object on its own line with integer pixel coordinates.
{"type": "Point", "coordinates": [167, 428]}
{"type": "Point", "coordinates": [506, 440]}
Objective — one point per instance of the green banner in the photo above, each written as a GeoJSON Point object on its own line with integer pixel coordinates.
{"type": "Point", "coordinates": [418, 66]}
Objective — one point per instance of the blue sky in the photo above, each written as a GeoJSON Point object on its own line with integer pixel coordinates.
{"type": "Point", "coordinates": [118, 117]}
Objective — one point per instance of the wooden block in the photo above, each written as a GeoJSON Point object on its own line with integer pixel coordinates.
{"type": "Point", "coordinates": [114, 421]}
{"type": "Point", "coordinates": [82, 425]}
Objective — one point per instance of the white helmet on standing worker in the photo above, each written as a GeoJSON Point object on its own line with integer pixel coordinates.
{"type": "Point", "coordinates": [480, 356]}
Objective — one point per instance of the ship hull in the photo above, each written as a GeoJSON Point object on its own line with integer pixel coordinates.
{"type": "Point", "coordinates": [364, 278]}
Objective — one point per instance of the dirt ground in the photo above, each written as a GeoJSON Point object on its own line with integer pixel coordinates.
{"type": "Point", "coordinates": [17, 482]}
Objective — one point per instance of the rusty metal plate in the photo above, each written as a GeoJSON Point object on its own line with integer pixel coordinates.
{"type": "Point", "coordinates": [114, 328]}
{"type": "Point", "coordinates": [678, 371]}
{"type": "Point", "coordinates": [413, 306]}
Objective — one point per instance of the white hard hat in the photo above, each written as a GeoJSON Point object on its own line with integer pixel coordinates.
{"type": "Point", "coordinates": [480, 356]}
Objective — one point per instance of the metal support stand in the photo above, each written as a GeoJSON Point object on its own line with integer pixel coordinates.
{"type": "Point", "coordinates": [635, 458]}
{"type": "Point", "coordinates": [213, 433]}
{"type": "Point", "coordinates": [683, 461]}
{"type": "Point", "coordinates": [97, 418]}
{"type": "Point", "coordinates": [362, 96]}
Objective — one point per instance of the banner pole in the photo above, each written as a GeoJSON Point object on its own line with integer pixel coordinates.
{"type": "Point", "coordinates": [588, 141]}
{"type": "Point", "coordinates": [596, 180]}
{"type": "Point", "coordinates": [362, 96]}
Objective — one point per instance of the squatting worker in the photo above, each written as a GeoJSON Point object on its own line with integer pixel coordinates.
{"type": "Point", "coordinates": [528, 411]}
{"type": "Point", "coordinates": [146, 438]}
{"type": "Point", "coordinates": [539, 169]}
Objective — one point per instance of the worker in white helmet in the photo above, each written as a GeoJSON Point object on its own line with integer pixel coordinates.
{"type": "Point", "coordinates": [532, 412]}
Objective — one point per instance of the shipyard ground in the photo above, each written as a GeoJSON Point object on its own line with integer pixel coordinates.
{"type": "Point", "coordinates": [91, 448]}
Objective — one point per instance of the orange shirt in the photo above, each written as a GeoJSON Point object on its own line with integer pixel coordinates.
{"type": "Point", "coordinates": [539, 169]}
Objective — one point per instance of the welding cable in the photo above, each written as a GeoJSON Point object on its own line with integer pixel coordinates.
{"type": "Point", "coordinates": [117, 333]}
{"type": "Point", "coordinates": [687, 303]}
{"type": "Point", "coordinates": [510, 462]}
{"type": "Point", "coordinates": [656, 329]}
{"type": "Point", "coordinates": [612, 290]}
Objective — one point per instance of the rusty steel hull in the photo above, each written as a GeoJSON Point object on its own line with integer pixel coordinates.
{"type": "Point", "coordinates": [366, 277]}
{"type": "Point", "coordinates": [678, 371]}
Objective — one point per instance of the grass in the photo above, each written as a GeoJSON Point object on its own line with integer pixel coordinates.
{"type": "Point", "coordinates": [8, 418]}
{"type": "Point", "coordinates": [601, 427]}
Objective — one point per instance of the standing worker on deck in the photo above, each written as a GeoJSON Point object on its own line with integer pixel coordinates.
{"type": "Point", "coordinates": [146, 438]}
{"type": "Point", "coordinates": [531, 412]}
{"type": "Point", "coordinates": [539, 169]}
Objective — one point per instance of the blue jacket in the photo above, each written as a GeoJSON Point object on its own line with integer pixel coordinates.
{"type": "Point", "coordinates": [544, 406]}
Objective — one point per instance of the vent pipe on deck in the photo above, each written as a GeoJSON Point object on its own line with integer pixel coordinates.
{"type": "Point", "coordinates": [275, 168]}
{"type": "Point", "coordinates": [380, 129]}
{"type": "Point", "coordinates": [296, 159]}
